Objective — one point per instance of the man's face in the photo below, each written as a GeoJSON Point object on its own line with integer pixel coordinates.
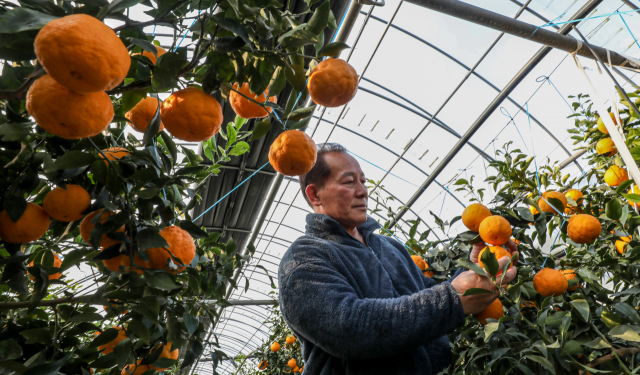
{"type": "Point", "coordinates": [344, 196]}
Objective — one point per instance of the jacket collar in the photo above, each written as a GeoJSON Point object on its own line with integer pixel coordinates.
{"type": "Point", "coordinates": [324, 226]}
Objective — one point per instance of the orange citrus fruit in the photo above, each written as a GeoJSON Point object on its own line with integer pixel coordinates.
{"type": "Point", "coordinates": [528, 304]}
{"type": "Point", "coordinates": [154, 58]}
{"type": "Point", "coordinates": [549, 282]}
{"type": "Point", "coordinates": [248, 109]}
{"type": "Point", "coordinates": [191, 115]}
{"type": "Point", "coordinates": [57, 262]}
{"type": "Point", "coordinates": [576, 195]}
{"type": "Point", "coordinates": [114, 154]}
{"type": "Point", "coordinates": [499, 251]}
{"type": "Point", "coordinates": [570, 274]}
{"type": "Point", "coordinates": [275, 347]}
{"type": "Point", "coordinates": [181, 246]}
{"type": "Point", "coordinates": [615, 175]}
{"type": "Point", "coordinates": [82, 54]}
{"type": "Point", "coordinates": [86, 226]}
{"type": "Point", "coordinates": [495, 230]}
{"type": "Point", "coordinates": [606, 147]}
{"type": "Point", "coordinates": [333, 83]}
{"type": "Point", "coordinates": [545, 205]}
{"type": "Point", "coordinates": [494, 311]}
{"type": "Point", "coordinates": [81, 116]}
{"type": "Point", "coordinates": [263, 365]}
{"type": "Point", "coordinates": [290, 339]}
{"type": "Point", "coordinates": [422, 265]}
{"type": "Point", "coordinates": [583, 228]}
{"type": "Point", "coordinates": [142, 113]}
{"type": "Point", "coordinates": [166, 353]}
{"type": "Point", "coordinates": [113, 264]}
{"type": "Point", "coordinates": [67, 204]}
{"type": "Point", "coordinates": [296, 369]}
{"type": "Point", "coordinates": [621, 244]}
{"type": "Point", "coordinates": [602, 127]}
{"type": "Point", "coordinates": [293, 153]}
{"type": "Point", "coordinates": [292, 363]}
{"type": "Point", "coordinates": [473, 215]}
{"type": "Point", "coordinates": [32, 225]}
{"type": "Point", "coordinates": [108, 347]}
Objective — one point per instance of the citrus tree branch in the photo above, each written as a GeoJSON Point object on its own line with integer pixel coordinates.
{"type": "Point", "coordinates": [21, 92]}
{"type": "Point", "coordinates": [605, 358]}
{"type": "Point", "coordinates": [160, 19]}
{"type": "Point", "coordinates": [51, 302]}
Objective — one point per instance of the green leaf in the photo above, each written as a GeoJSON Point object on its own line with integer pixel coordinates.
{"type": "Point", "coordinates": [525, 214]}
{"type": "Point", "coordinates": [320, 18]}
{"type": "Point", "coordinates": [228, 44]}
{"type": "Point", "coordinates": [232, 134]}
{"type": "Point", "coordinates": [476, 291]}
{"type": "Point", "coordinates": [543, 361]}
{"type": "Point", "coordinates": [71, 159]}
{"type": "Point", "coordinates": [613, 209]}
{"type": "Point", "coordinates": [625, 332]}
{"type": "Point", "coordinates": [162, 280]}
{"type": "Point", "coordinates": [86, 317]}
{"type": "Point", "coordinates": [194, 352]}
{"type": "Point", "coordinates": [15, 206]}
{"type": "Point", "coordinates": [572, 347]}
{"type": "Point", "coordinates": [490, 262]}
{"type": "Point", "coordinates": [627, 311]}
{"type": "Point", "coordinates": [194, 230]}
{"type": "Point", "coordinates": [23, 19]}
{"type": "Point", "coordinates": [597, 343]}
{"type": "Point", "coordinates": [610, 319]}
{"type": "Point", "coordinates": [50, 368]}
{"type": "Point", "coordinates": [278, 81]}
{"type": "Point", "coordinates": [261, 128]}
{"type": "Point", "coordinates": [105, 337]}
{"type": "Point", "coordinates": [582, 307]}
{"type": "Point", "coordinates": [153, 128]}
{"type": "Point", "coordinates": [37, 336]}
{"type": "Point", "coordinates": [150, 238]}
{"type": "Point", "coordinates": [296, 77]}
{"type": "Point", "coordinates": [123, 351]}
{"type": "Point", "coordinates": [301, 113]}
{"type": "Point", "coordinates": [10, 349]}
{"type": "Point", "coordinates": [167, 68]}
{"type": "Point", "coordinates": [236, 28]}
{"type": "Point", "coordinates": [139, 330]}
{"type": "Point", "coordinates": [239, 149]}
{"type": "Point", "coordinates": [13, 132]}
{"type": "Point", "coordinates": [145, 45]}
{"type": "Point", "coordinates": [466, 263]}
{"type": "Point", "coordinates": [70, 259]}
{"type": "Point", "coordinates": [634, 198]}
{"type": "Point", "coordinates": [120, 5]}
{"type": "Point", "coordinates": [300, 37]}
{"type": "Point", "coordinates": [489, 329]}
{"type": "Point", "coordinates": [623, 186]}
{"type": "Point", "coordinates": [191, 322]}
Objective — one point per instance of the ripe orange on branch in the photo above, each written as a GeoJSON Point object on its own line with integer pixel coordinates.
{"type": "Point", "coordinates": [139, 370]}
{"type": "Point", "coordinates": [292, 363]}
{"type": "Point", "coordinates": [57, 262]}
{"type": "Point", "coordinates": [67, 204]}
{"type": "Point", "coordinates": [494, 311]}
{"type": "Point", "coordinates": [142, 114]}
{"type": "Point", "coordinates": [290, 339]}
{"type": "Point", "coordinates": [570, 274]}
{"type": "Point", "coordinates": [606, 147]}
{"type": "Point", "coordinates": [108, 347]}
{"type": "Point", "coordinates": [422, 265]}
{"type": "Point", "coordinates": [245, 108]}
{"type": "Point", "coordinates": [576, 195]}
{"type": "Point", "coordinates": [583, 228]}
{"type": "Point", "coordinates": [602, 127]}
{"type": "Point", "coordinates": [167, 353]}
{"type": "Point", "coordinates": [81, 116]}
{"type": "Point", "coordinates": [549, 282]}
{"type": "Point", "coordinates": [181, 246]}
{"type": "Point", "coordinates": [333, 83]}
{"type": "Point", "coordinates": [82, 53]}
{"type": "Point", "coordinates": [615, 175]}
{"type": "Point", "coordinates": [621, 244]}
{"type": "Point", "coordinates": [263, 365]}
{"type": "Point", "coordinates": [154, 58]}
{"type": "Point", "coordinates": [293, 153]}
{"type": "Point", "coordinates": [544, 202]}
{"type": "Point", "coordinates": [114, 154]}
{"type": "Point", "coordinates": [191, 115]}
{"type": "Point", "coordinates": [495, 230]}
{"type": "Point", "coordinates": [32, 225]}
{"type": "Point", "coordinates": [86, 226]}
{"type": "Point", "coordinates": [275, 347]}
{"type": "Point", "coordinates": [473, 215]}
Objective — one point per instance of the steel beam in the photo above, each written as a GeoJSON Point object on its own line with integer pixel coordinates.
{"type": "Point", "coordinates": [515, 81]}
{"type": "Point", "coordinates": [520, 29]}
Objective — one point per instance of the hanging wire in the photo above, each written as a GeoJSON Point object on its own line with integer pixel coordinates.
{"type": "Point", "coordinates": [548, 79]}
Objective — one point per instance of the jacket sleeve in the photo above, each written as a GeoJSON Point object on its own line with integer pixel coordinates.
{"type": "Point", "coordinates": [319, 302]}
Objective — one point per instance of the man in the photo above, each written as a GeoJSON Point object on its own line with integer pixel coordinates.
{"type": "Point", "coordinates": [355, 299]}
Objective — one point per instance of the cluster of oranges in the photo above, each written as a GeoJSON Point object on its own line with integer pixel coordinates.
{"type": "Point", "coordinates": [291, 363]}
{"type": "Point", "coordinates": [139, 368]}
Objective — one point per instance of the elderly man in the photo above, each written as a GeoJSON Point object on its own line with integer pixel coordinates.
{"type": "Point", "coordinates": [355, 299]}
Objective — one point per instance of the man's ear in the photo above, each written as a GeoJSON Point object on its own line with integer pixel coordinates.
{"type": "Point", "coordinates": [312, 193]}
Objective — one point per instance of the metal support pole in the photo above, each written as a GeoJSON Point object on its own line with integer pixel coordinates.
{"type": "Point", "coordinates": [542, 53]}
{"type": "Point", "coordinates": [520, 29]}
{"type": "Point", "coordinates": [247, 302]}
{"type": "Point", "coordinates": [571, 159]}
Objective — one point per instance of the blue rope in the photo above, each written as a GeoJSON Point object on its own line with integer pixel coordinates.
{"type": "Point", "coordinates": [625, 23]}
{"type": "Point", "coordinates": [586, 19]}
{"type": "Point", "coordinates": [340, 25]}
{"type": "Point", "coordinates": [186, 32]}
{"type": "Point", "coordinates": [554, 243]}
{"type": "Point", "coordinates": [507, 114]}
{"type": "Point", "coordinates": [548, 79]}
{"type": "Point", "coordinates": [394, 236]}
{"type": "Point", "coordinates": [443, 199]}
{"type": "Point", "coordinates": [232, 190]}
{"type": "Point", "coordinates": [550, 23]}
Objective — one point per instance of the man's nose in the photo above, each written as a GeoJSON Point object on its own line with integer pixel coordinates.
{"type": "Point", "coordinates": [362, 191]}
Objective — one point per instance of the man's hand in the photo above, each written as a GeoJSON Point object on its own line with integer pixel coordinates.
{"type": "Point", "coordinates": [470, 279]}
{"type": "Point", "coordinates": [477, 248]}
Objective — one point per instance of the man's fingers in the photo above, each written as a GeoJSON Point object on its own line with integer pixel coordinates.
{"type": "Point", "coordinates": [509, 276]}
{"type": "Point", "coordinates": [502, 261]}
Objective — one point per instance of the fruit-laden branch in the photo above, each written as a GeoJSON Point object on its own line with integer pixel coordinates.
{"type": "Point", "coordinates": [21, 92]}
{"type": "Point", "coordinates": [620, 352]}
{"type": "Point", "coordinates": [51, 302]}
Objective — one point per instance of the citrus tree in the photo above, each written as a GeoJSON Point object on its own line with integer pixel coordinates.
{"type": "Point", "coordinates": [94, 176]}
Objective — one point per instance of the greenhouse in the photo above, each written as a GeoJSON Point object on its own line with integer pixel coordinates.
{"type": "Point", "coordinates": [319, 187]}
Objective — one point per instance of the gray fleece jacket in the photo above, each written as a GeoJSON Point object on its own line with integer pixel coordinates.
{"type": "Point", "coordinates": [360, 309]}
